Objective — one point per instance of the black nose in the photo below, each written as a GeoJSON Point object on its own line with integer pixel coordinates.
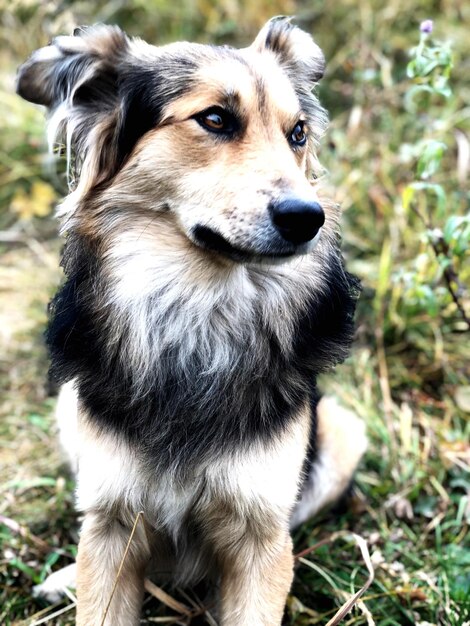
{"type": "Point", "coordinates": [296, 220]}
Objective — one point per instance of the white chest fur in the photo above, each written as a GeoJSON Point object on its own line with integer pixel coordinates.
{"type": "Point", "coordinates": [111, 474]}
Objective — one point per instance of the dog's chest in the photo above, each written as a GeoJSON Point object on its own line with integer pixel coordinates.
{"type": "Point", "coordinates": [187, 371]}
{"type": "Point", "coordinates": [187, 365]}
{"type": "Point", "coordinates": [112, 475]}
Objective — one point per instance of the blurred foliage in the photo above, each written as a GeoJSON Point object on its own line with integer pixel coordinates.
{"type": "Point", "coordinates": [398, 157]}
{"type": "Point", "coordinates": [430, 67]}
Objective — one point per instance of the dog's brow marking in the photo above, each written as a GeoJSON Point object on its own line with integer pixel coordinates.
{"type": "Point", "coordinates": [230, 98]}
{"type": "Point", "coordinates": [260, 93]}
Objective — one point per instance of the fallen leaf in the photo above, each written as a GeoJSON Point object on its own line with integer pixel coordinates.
{"type": "Point", "coordinates": [413, 594]}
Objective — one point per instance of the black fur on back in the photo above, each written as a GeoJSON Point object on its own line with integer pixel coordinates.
{"type": "Point", "coordinates": [185, 418]}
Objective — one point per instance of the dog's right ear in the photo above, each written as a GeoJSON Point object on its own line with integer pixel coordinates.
{"type": "Point", "coordinates": [294, 48]}
{"type": "Point", "coordinates": [73, 67]}
{"type": "Point", "coordinates": [77, 79]}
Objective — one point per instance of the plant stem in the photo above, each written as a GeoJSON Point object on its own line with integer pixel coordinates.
{"type": "Point", "coordinates": [439, 246]}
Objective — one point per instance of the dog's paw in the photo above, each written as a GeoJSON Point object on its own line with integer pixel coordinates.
{"type": "Point", "coordinates": [54, 588]}
{"type": "Point", "coordinates": [53, 596]}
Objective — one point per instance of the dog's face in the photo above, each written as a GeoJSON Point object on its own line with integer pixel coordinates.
{"type": "Point", "coordinates": [219, 139]}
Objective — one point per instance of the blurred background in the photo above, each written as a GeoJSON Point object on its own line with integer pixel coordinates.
{"type": "Point", "coordinates": [397, 158]}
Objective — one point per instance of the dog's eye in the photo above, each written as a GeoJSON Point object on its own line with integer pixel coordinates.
{"type": "Point", "coordinates": [299, 135]}
{"type": "Point", "coordinates": [217, 120]}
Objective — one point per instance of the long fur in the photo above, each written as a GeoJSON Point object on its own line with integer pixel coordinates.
{"type": "Point", "coordinates": [189, 333]}
{"type": "Point", "coordinates": [197, 374]}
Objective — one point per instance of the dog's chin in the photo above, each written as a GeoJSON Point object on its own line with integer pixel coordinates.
{"type": "Point", "coordinates": [271, 254]}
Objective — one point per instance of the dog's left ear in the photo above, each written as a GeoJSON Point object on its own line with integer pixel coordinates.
{"type": "Point", "coordinates": [295, 49]}
{"type": "Point", "coordinates": [77, 78]}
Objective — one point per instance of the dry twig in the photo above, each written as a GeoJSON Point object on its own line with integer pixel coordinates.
{"type": "Point", "coordinates": [353, 600]}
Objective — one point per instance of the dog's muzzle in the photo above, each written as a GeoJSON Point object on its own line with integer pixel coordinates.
{"type": "Point", "coordinates": [296, 220]}
{"type": "Point", "coordinates": [210, 239]}
{"type": "Point", "coordinates": [292, 224]}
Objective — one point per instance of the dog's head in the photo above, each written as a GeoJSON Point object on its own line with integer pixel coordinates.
{"type": "Point", "coordinates": [221, 140]}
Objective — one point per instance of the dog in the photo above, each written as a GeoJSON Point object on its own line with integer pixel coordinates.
{"type": "Point", "coordinates": [205, 291]}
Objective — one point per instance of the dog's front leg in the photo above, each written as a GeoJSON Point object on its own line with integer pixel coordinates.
{"type": "Point", "coordinates": [256, 578]}
{"type": "Point", "coordinates": [101, 550]}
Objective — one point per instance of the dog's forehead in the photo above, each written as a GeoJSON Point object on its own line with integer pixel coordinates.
{"type": "Point", "coordinates": [253, 75]}
{"type": "Point", "coordinates": [254, 78]}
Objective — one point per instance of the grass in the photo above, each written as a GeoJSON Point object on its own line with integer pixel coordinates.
{"type": "Point", "coordinates": [407, 376]}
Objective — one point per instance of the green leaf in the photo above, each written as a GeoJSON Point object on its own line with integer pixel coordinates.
{"type": "Point", "coordinates": [32, 483]}
{"type": "Point", "coordinates": [431, 157]}
{"type": "Point", "coordinates": [50, 561]}
{"type": "Point", "coordinates": [39, 421]}
{"type": "Point", "coordinates": [407, 197]}
{"type": "Point", "coordinates": [444, 261]}
{"type": "Point", "coordinates": [411, 95]}
{"type": "Point", "coordinates": [444, 91]}
{"type": "Point", "coordinates": [436, 190]}
{"type": "Point", "coordinates": [450, 227]}
{"type": "Point", "coordinates": [457, 233]}
{"type": "Point", "coordinates": [26, 569]}
{"type": "Point", "coordinates": [385, 265]}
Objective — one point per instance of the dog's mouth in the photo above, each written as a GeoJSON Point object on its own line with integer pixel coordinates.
{"type": "Point", "coordinates": [211, 240]}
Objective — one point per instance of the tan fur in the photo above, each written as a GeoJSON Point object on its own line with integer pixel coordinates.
{"type": "Point", "coordinates": [255, 558]}
{"type": "Point", "coordinates": [139, 216]}
{"type": "Point", "coordinates": [243, 507]}
{"type": "Point", "coordinates": [100, 552]}
{"type": "Point", "coordinates": [223, 185]}
{"type": "Point", "coordinates": [262, 481]}
{"type": "Point", "coordinates": [204, 184]}
{"type": "Point", "coordinates": [341, 436]}
{"type": "Point", "coordinates": [255, 582]}
{"type": "Point", "coordinates": [342, 442]}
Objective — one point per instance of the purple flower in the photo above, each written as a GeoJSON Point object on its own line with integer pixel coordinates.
{"type": "Point", "coordinates": [426, 26]}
